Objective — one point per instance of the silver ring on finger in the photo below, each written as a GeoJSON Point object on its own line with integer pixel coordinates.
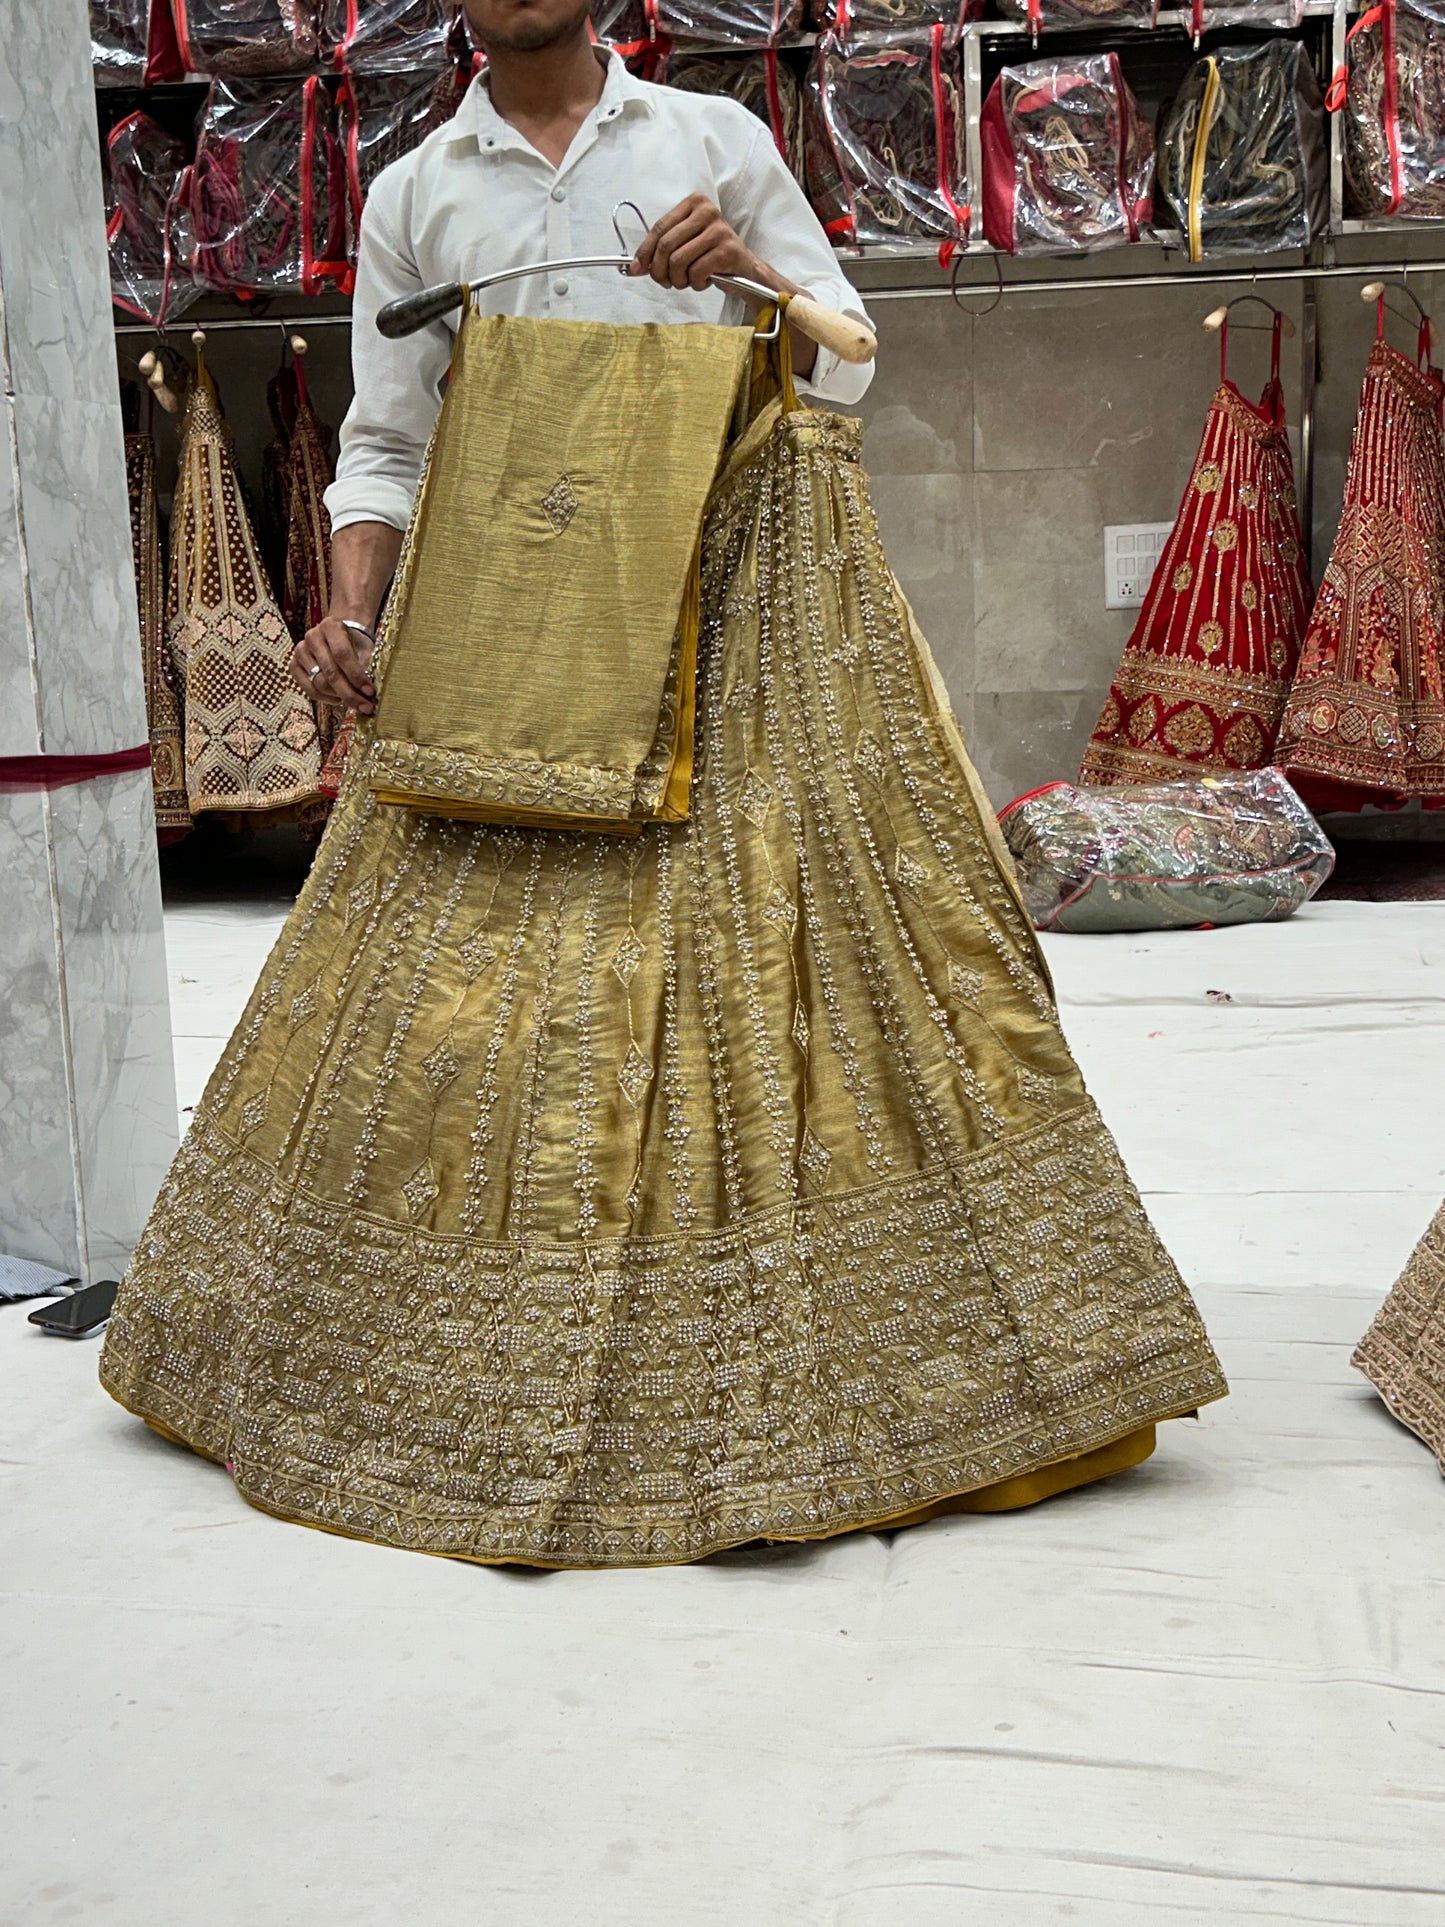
{"type": "Point", "coordinates": [314, 670]}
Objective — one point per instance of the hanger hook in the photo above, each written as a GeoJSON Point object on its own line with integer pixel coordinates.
{"type": "Point", "coordinates": [617, 226]}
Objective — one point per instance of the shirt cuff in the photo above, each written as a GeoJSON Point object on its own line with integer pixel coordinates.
{"type": "Point", "coordinates": [368, 498]}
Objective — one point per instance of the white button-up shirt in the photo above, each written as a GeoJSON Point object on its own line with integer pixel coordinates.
{"type": "Point", "coordinates": [476, 197]}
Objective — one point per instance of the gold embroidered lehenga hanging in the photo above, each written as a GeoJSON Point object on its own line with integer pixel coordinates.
{"type": "Point", "coordinates": [164, 717]}
{"type": "Point", "coordinates": [251, 737]}
{"type": "Point", "coordinates": [583, 1199]}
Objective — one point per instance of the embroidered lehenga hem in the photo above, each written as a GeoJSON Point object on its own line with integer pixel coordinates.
{"type": "Point", "coordinates": [600, 1200]}
{"type": "Point", "coordinates": [1403, 1352]}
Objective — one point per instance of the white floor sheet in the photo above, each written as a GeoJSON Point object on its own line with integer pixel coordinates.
{"type": "Point", "coordinates": [1210, 1690]}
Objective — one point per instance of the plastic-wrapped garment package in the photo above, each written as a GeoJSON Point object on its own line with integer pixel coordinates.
{"type": "Point", "coordinates": [385, 36]}
{"type": "Point", "coordinates": [1243, 153]}
{"type": "Point", "coordinates": [885, 141]}
{"type": "Point", "coordinates": [144, 173]}
{"type": "Point", "coordinates": [1204, 677]}
{"type": "Point", "coordinates": [711, 23]}
{"type": "Point", "coordinates": [133, 43]}
{"type": "Point", "coordinates": [1206, 15]}
{"type": "Point", "coordinates": [1080, 13]}
{"type": "Point", "coordinates": [246, 36]}
{"type": "Point", "coordinates": [382, 116]}
{"type": "Point", "coordinates": [1394, 103]}
{"type": "Point", "coordinates": [765, 85]}
{"type": "Point", "coordinates": [1238, 848]}
{"type": "Point", "coordinates": [268, 194]}
{"type": "Point", "coordinates": [1068, 159]}
{"type": "Point", "coordinates": [845, 17]}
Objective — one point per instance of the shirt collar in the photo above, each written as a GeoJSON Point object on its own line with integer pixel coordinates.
{"type": "Point", "coordinates": [477, 122]}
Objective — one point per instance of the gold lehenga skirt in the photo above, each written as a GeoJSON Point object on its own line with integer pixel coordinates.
{"type": "Point", "coordinates": [1403, 1352]}
{"type": "Point", "coordinates": [584, 1200]}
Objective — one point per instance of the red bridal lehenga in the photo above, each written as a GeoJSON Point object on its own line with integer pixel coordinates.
{"type": "Point", "coordinates": [1204, 676]}
{"type": "Point", "coordinates": [1366, 717]}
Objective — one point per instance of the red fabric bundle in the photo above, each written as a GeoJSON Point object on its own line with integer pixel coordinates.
{"type": "Point", "coordinates": [245, 36]}
{"type": "Point", "coordinates": [145, 171]}
{"type": "Point", "coordinates": [268, 190]}
{"type": "Point", "coordinates": [885, 141]}
{"type": "Point", "coordinates": [133, 43]}
{"type": "Point", "coordinates": [1068, 160]}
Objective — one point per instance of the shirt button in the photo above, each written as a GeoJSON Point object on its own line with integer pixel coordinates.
{"type": "Point", "coordinates": [559, 287]}
{"type": "Point", "coordinates": [559, 193]}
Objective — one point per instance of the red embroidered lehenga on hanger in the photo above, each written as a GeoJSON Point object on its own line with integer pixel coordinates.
{"type": "Point", "coordinates": [1366, 716]}
{"type": "Point", "coordinates": [1204, 676]}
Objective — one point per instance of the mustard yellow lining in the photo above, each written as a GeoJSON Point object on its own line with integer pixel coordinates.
{"type": "Point", "coordinates": [1208, 108]}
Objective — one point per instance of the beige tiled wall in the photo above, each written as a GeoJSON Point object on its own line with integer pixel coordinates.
{"type": "Point", "coordinates": [1001, 445]}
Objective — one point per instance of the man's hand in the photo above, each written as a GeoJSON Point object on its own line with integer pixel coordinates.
{"type": "Point", "coordinates": [338, 658]}
{"type": "Point", "coordinates": [687, 247]}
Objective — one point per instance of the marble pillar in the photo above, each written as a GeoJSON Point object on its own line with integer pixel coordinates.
{"type": "Point", "coordinates": [87, 1090]}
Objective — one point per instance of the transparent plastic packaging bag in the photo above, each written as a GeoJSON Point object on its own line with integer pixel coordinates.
{"type": "Point", "coordinates": [133, 43]}
{"type": "Point", "coordinates": [764, 84]}
{"type": "Point", "coordinates": [385, 36]}
{"type": "Point", "coordinates": [885, 141]}
{"type": "Point", "coordinates": [1243, 152]}
{"type": "Point", "coordinates": [1232, 848]}
{"type": "Point", "coordinates": [268, 200]}
{"type": "Point", "coordinates": [382, 116]}
{"type": "Point", "coordinates": [634, 24]}
{"type": "Point", "coordinates": [246, 36]}
{"type": "Point", "coordinates": [145, 169]}
{"type": "Point", "coordinates": [1068, 159]}
{"type": "Point", "coordinates": [1079, 13]}
{"type": "Point", "coordinates": [1206, 15]}
{"type": "Point", "coordinates": [892, 17]}
{"type": "Point", "coordinates": [1394, 103]}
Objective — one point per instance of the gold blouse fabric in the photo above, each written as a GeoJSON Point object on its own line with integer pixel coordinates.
{"type": "Point", "coordinates": [251, 739]}
{"type": "Point", "coordinates": [162, 684]}
{"type": "Point", "coordinates": [582, 1200]}
{"type": "Point", "coordinates": [545, 621]}
{"type": "Point", "coordinates": [1403, 1352]}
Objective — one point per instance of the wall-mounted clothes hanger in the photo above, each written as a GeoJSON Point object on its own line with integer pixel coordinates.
{"type": "Point", "coordinates": [1379, 292]}
{"type": "Point", "coordinates": [1218, 318]}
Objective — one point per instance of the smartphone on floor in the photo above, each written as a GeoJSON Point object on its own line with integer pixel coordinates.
{"type": "Point", "coordinates": [80, 1315]}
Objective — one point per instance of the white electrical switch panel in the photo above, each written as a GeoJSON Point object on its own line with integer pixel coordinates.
{"type": "Point", "coordinates": [1131, 550]}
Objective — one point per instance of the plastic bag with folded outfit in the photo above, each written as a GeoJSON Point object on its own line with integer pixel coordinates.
{"type": "Point", "coordinates": [133, 43]}
{"type": "Point", "coordinates": [1243, 154]}
{"type": "Point", "coordinates": [381, 116]}
{"type": "Point", "coordinates": [885, 141]}
{"type": "Point", "coordinates": [268, 196]}
{"type": "Point", "coordinates": [385, 36]}
{"type": "Point", "coordinates": [637, 24]}
{"type": "Point", "coordinates": [762, 82]}
{"type": "Point", "coordinates": [1237, 848]}
{"type": "Point", "coordinates": [1392, 89]}
{"type": "Point", "coordinates": [1079, 13]}
{"type": "Point", "coordinates": [1068, 159]}
{"type": "Point", "coordinates": [246, 36]}
{"type": "Point", "coordinates": [145, 168]}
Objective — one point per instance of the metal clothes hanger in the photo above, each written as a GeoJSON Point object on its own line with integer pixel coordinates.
{"type": "Point", "coordinates": [1217, 317]}
{"type": "Point", "coordinates": [839, 333]}
{"type": "Point", "coordinates": [1382, 290]}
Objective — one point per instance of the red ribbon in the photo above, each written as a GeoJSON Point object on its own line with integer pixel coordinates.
{"type": "Point", "coordinates": [55, 772]}
{"type": "Point", "coordinates": [941, 134]}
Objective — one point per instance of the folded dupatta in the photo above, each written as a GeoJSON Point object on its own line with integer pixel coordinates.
{"type": "Point", "coordinates": [539, 656]}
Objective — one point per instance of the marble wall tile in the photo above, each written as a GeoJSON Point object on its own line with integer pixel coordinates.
{"type": "Point", "coordinates": [18, 735]}
{"type": "Point", "coordinates": [1105, 380]}
{"type": "Point", "coordinates": [52, 217]}
{"type": "Point", "coordinates": [918, 411]}
{"type": "Point", "coordinates": [1038, 569]}
{"type": "Point", "coordinates": [38, 1209]}
{"type": "Point", "coordinates": [924, 521]}
{"type": "Point", "coordinates": [77, 536]}
{"type": "Point", "coordinates": [117, 1004]}
{"type": "Point", "coordinates": [1022, 738]}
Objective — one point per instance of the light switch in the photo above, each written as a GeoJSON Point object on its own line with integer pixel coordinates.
{"type": "Point", "coordinates": [1131, 550]}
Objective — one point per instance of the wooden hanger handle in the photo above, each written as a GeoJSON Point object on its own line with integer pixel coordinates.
{"type": "Point", "coordinates": [842, 335]}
